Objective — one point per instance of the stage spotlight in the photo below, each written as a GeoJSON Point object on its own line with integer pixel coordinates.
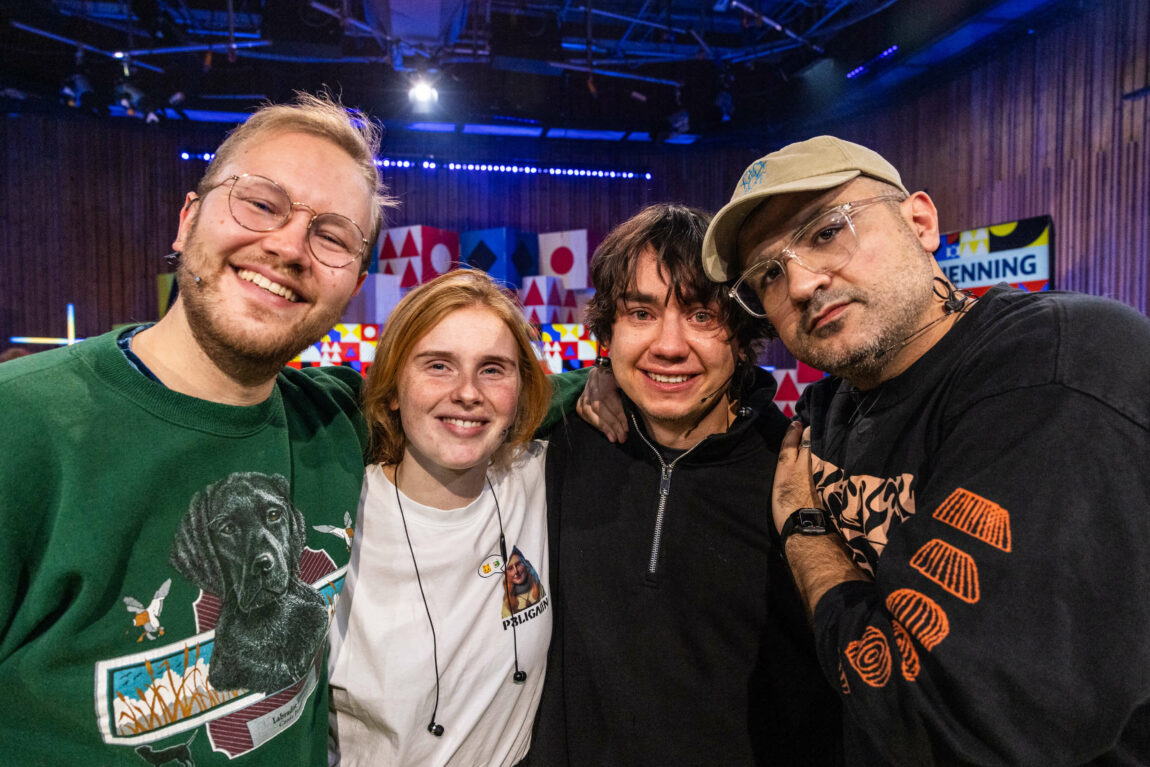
{"type": "Point", "coordinates": [136, 103]}
{"type": "Point", "coordinates": [177, 101]}
{"type": "Point", "coordinates": [75, 90]}
{"type": "Point", "coordinates": [422, 96]}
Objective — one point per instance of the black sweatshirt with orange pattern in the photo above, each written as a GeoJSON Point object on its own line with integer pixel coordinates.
{"type": "Point", "coordinates": [998, 491]}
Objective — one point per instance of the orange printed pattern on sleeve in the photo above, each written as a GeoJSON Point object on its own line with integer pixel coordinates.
{"type": "Point", "coordinates": [870, 657]}
{"type": "Point", "coordinates": [846, 686]}
{"type": "Point", "coordinates": [920, 615]}
{"type": "Point", "coordinates": [949, 567]}
{"type": "Point", "coordinates": [976, 516]}
{"type": "Point", "coordinates": [902, 641]}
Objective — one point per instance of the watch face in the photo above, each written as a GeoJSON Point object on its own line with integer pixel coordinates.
{"type": "Point", "coordinates": [812, 522]}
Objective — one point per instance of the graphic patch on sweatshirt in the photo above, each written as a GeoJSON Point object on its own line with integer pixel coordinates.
{"type": "Point", "coordinates": [863, 506]}
{"type": "Point", "coordinates": [345, 533]}
{"type": "Point", "coordinates": [147, 617]}
{"type": "Point", "coordinates": [866, 507]}
{"type": "Point", "coordinates": [262, 616]}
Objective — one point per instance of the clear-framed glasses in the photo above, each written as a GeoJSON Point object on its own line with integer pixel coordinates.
{"type": "Point", "coordinates": [822, 245]}
{"type": "Point", "coordinates": [261, 205]}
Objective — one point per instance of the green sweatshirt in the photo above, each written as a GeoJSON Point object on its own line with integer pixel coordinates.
{"type": "Point", "coordinates": [167, 564]}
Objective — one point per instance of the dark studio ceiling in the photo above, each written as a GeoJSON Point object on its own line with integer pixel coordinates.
{"type": "Point", "coordinates": [669, 70]}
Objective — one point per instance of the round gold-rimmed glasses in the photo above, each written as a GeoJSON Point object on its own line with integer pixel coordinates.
{"type": "Point", "coordinates": [259, 204]}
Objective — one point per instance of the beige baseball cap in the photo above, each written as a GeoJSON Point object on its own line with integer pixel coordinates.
{"type": "Point", "coordinates": [822, 162]}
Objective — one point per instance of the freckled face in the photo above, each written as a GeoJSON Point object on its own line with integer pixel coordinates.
{"type": "Point", "coordinates": [458, 393]}
{"type": "Point", "coordinates": [668, 357]}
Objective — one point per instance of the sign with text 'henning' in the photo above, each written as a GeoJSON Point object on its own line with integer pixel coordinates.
{"type": "Point", "coordinates": [1018, 252]}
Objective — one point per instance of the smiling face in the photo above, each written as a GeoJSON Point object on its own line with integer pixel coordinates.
{"type": "Point", "coordinates": [516, 570]}
{"type": "Point", "coordinates": [458, 393]}
{"type": "Point", "coordinates": [262, 297]}
{"type": "Point", "coordinates": [673, 361]}
{"type": "Point", "coordinates": [851, 321]}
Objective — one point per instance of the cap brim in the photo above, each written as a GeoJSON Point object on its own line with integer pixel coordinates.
{"type": "Point", "coordinates": [721, 239]}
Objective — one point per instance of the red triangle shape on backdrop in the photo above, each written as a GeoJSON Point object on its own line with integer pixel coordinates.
{"type": "Point", "coordinates": [553, 297]}
{"type": "Point", "coordinates": [409, 279]}
{"type": "Point", "coordinates": [787, 392]}
{"type": "Point", "coordinates": [1036, 285]}
{"type": "Point", "coordinates": [569, 299]}
{"type": "Point", "coordinates": [387, 268]}
{"type": "Point", "coordinates": [387, 252]}
{"type": "Point", "coordinates": [807, 374]}
{"type": "Point", "coordinates": [409, 249]}
{"type": "Point", "coordinates": [533, 297]}
{"type": "Point", "coordinates": [788, 411]}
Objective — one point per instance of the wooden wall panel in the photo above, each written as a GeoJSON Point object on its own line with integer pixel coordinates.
{"type": "Point", "coordinates": [88, 208]}
{"type": "Point", "coordinates": [1043, 128]}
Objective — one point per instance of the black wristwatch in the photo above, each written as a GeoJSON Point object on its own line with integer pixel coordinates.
{"type": "Point", "coordinates": [805, 522]}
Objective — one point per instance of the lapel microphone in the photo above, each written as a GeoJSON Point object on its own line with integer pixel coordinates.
{"type": "Point", "coordinates": [722, 387]}
{"type": "Point", "coordinates": [173, 259]}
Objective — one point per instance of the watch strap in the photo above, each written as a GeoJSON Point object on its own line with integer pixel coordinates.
{"type": "Point", "coordinates": [804, 521]}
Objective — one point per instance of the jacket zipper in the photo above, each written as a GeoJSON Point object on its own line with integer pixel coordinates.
{"type": "Point", "coordinates": [664, 492]}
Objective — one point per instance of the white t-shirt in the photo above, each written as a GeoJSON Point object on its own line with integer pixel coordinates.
{"type": "Point", "coordinates": [381, 667]}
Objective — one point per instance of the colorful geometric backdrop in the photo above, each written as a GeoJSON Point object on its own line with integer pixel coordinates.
{"type": "Point", "coordinates": [1017, 252]}
{"type": "Point", "coordinates": [548, 272]}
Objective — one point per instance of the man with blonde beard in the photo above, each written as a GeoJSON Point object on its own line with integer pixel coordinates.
{"type": "Point", "coordinates": [163, 479]}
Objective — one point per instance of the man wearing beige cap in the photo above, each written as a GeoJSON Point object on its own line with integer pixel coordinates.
{"type": "Point", "coordinates": [965, 512]}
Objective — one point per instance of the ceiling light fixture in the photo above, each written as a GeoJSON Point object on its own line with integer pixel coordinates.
{"type": "Point", "coordinates": [423, 92]}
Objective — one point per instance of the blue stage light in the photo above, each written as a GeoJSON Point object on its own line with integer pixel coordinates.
{"type": "Point", "coordinates": [393, 164]}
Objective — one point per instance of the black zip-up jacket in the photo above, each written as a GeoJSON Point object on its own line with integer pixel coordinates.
{"type": "Point", "coordinates": [678, 636]}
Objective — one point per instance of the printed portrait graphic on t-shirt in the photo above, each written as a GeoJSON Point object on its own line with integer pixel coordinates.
{"type": "Point", "coordinates": [260, 620]}
{"type": "Point", "coordinates": [522, 587]}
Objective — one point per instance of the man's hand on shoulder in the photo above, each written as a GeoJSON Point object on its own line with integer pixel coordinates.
{"type": "Point", "coordinates": [818, 563]}
{"type": "Point", "coordinates": [601, 406]}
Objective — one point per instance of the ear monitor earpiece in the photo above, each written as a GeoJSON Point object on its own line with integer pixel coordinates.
{"type": "Point", "coordinates": [952, 299]}
{"type": "Point", "coordinates": [519, 677]}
